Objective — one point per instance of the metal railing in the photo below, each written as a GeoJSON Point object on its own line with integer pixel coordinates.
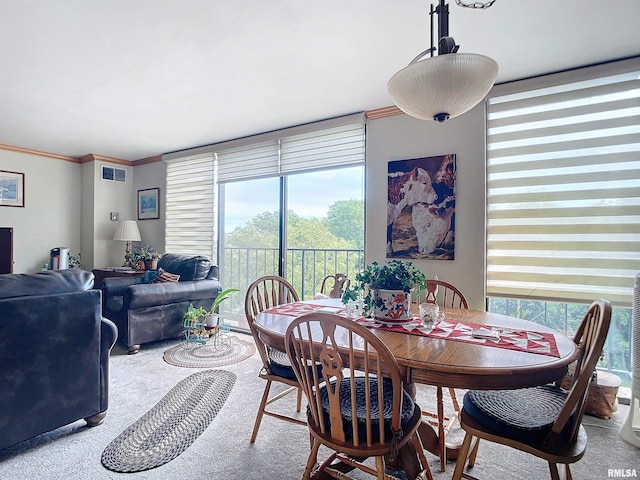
{"type": "Point", "coordinates": [305, 269]}
{"type": "Point", "coordinates": [566, 317]}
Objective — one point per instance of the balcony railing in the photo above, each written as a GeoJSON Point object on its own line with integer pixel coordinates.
{"type": "Point", "coordinates": [305, 269]}
{"type": "Point", "coordinates": [566, 318]}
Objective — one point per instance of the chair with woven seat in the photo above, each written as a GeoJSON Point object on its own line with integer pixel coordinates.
{"type": "Point", "coordinates": [359, 374]}
{"type": "Point", "coordinates": [543, 421]}
{"type": "Point", "coordinates": [340, 282]}
{"type": "Point", "coordinates": [264, 293]}
{"type": "Point", "coordinates": [445, 295]}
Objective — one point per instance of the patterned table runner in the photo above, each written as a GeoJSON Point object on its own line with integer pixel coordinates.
{"type": "Point", "coordinates": [542, 343]}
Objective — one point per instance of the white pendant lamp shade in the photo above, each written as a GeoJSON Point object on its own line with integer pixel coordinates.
{"type": "Point", "coordinates": [444, 86]}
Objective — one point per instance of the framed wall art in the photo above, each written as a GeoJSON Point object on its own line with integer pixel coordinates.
{"type": "Point", "coordinates": [421, 208]}
{"type": "Point", "coordinates": [11, 189]}
{"type": "Point", "coordinates": [148, 204]}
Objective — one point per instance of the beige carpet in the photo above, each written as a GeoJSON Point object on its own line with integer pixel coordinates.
{"type": "Point", "coordinates": [139, 381]}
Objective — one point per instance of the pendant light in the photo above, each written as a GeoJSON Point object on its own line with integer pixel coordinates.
{"type": "Point", "coordinates": [443, 86]}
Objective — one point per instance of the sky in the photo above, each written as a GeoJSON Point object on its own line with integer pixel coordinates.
{"type": "Point", "coordinates": [310, 194]}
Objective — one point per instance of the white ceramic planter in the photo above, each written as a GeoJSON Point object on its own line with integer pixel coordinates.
{"type": "Point", "coordinates": [391, 305]}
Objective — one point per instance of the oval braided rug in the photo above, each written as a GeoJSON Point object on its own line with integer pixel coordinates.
{"type": "Point", "coordinates": [167, 430]}
{"type": "Point", "coordinates": [195, 355]}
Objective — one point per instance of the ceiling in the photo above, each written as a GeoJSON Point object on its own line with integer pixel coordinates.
{"type": "Point", "coordinates": [134, 79]}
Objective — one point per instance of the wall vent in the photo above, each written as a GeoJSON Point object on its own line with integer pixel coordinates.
{"type": "Point", "coordinates": [114, 174]}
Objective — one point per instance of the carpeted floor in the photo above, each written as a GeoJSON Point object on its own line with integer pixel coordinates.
{"type": "Point", "coordinates": [223, 450]}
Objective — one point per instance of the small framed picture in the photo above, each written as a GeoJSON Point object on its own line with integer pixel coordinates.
{"type": "Point", "coordinates": [148, 204]}
{"type": "Point", "coordinates": [11, 189]}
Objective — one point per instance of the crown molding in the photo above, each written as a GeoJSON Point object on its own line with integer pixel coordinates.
{"type": "Point", "coordinates": [383, 112]}
{"type": "Point", "coordinates": [30, 151]}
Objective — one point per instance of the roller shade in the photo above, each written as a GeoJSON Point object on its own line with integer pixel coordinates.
{"type": "Point", "coordinates": [189, 224]}
{"type": "Point", "coordinates": [563, 185]}
{"type": "Point", "coordinates": [326, 144]}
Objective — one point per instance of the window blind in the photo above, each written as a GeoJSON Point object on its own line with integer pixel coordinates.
{"type": "Point", "coordinates": [563, 185]}
{"type": "Point", "coordinates": [331, 147]}
{"type": "Point", "coordinates": [190, 218]}
{"type": "Point", "coordinates": [248, 161]}
{"type": "Point", "coordinates": [192, 174]}
{"type": "Point", "coordinates": [325, 144]}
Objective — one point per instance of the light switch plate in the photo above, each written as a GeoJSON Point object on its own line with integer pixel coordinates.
{"type": "Point", "coordinates": [115, 216]}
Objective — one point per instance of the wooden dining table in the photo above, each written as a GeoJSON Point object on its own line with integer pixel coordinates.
{"type": "Point", "coordinates": [446, 362]}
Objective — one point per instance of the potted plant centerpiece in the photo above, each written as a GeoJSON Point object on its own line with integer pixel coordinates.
{"type": "Point", "coordinates": [145, 257]}
{"type": "Point", "coordinates": [386, 289]}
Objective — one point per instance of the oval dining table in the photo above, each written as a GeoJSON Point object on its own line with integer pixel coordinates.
{"type": "Point", "coordinates": [445, 362]}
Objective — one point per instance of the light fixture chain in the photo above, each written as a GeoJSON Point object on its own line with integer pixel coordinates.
{"type": "Point", "coordinates": [477, 5]}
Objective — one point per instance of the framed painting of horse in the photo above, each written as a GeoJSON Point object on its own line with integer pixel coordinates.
{"type": "Point", "coordinates": [421, 205]}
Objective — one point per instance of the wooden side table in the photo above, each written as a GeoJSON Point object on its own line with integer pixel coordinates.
{"type": "Point", "coordinates": [102, 273]}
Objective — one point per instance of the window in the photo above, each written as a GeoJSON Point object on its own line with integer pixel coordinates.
{"type": "Point", "coordinates": [563, 199]}
{"type": "Point", "coordinates": [563, 185]}
{"type": "Point", "coordinates": [288, 202]}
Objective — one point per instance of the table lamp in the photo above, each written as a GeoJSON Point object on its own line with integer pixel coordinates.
{"type": "Point", "coordinates": [127, 231]}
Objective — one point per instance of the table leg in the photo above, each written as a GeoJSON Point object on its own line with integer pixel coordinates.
{"type": "Point", "coordinates": [431, 442]}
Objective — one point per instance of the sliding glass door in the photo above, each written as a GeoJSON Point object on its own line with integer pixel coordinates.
{"type": "Point", "coordinates": [302, 226]}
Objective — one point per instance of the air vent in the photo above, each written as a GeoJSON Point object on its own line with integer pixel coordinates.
{"type": "Point", "coordinates": [114, 174]}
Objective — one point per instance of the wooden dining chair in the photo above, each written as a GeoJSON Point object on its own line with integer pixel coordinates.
{"type": "Point", "coordinates": [544, 421]}
{"type": "Point", "coordinates": [444, 294]}
{"type": "Point", "coordinates": [264, 293]}
{"type": "Point", "coordinates": [357, 407]}
{"type": "Point", "coordinates": [340, 283]}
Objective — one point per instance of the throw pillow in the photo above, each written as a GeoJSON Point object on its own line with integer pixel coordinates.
{"type": "Point", "coordinates": [165, 277]}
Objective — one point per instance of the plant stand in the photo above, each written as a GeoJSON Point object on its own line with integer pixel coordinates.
{"type": "Point", "coordinates": [197, 331]}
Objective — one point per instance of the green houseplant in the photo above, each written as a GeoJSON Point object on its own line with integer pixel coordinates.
{"type": "Point", "coordinates": [385, 289]}
{"type": "Point", "coordinates": [201, 316]}
{"type": "Point", "coordinates": [145, 254]}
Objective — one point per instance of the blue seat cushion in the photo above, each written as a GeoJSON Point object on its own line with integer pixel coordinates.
{"type": "Point", "coordinates": [377, 411]}
{"type": "Point", "coordinates": [281, 366]}
{"type": "Point", "coordinates": [525, 414]}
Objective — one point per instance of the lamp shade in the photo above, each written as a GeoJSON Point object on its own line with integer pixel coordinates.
{"type": "Point", "coordinates": [127, 230]}
{"type": "Point", "coordinates": [444, 86]}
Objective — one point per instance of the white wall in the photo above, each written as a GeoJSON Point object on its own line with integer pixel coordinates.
{"type": "Point", "coordinates": [110, 196]}
{"type": "Point", "coordinates": [402, 137]}
{"type": "Point", "coordinates": [68, 204]}
{"type": "Point", "coordinates": [55, 191]}
{"type": "Point", "coordinates": [51, 215]}
{"type": "Point", "coordinates": [152, 175]}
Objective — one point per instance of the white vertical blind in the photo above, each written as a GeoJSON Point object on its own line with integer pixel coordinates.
{"type": "Point", "coordinates": [190, 219]}
{"type": "Point", "coordinates": [563, 185]}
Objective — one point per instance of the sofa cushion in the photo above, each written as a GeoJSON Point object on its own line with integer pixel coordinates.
{"type": "Point", "coordinates": [188, 267]}
{"type": "Point", "coordinates": [49, 282]}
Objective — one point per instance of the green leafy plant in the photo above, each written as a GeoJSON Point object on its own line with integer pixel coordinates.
{"type": "Point", "coordinates": [192, 314]}
{"type": "Point", "coordinates": [75, 261]}
{"type": "Point", "coordinates": [222, 296]}
{"type": "Point", "coordinates": [144, 252]}
{"type": "Point", "coordinates": [393, 275]}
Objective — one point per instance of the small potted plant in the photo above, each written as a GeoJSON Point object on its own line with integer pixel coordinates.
{"type": "Point", "coordinates": [386, 289]}
{"type": "Point", "coordinates": [212, 314]}
{"type": "Point", "coordinates": [145, 257]}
